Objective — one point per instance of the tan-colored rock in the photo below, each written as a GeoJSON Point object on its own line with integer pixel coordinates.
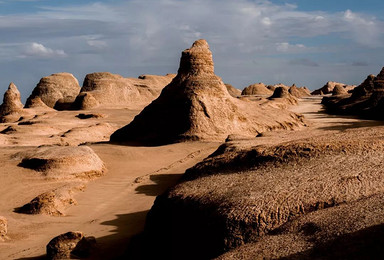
{"type": "Point", "coordinates": [57, 91]}
{"type": "Point", "coordinates": [234, 92]}
{"type": "Point", "coordinates": [64, 162]}
{"type": "Point", "coordinates": [37, 103]}
{"type": "Point", "coordinates": [52, 203]}
{"type": "Point", "coordinates": [12, 101]}
{"type": "Point", "coordinates": [282, 94]}
{"type": "Point", "coordinates": [197, 106]}
{"type": "Point", "coordinates": [339, 90]}
{"type": "Point", "coordinates": [329, 86]}
{"type": "Point", "coordinates": [3, 228]}
{"type": "Point", "coordinates": [70, 245]}
{"type": "Point", "coordinates": [242, 192]}
{"type": "Point", "coordinates": [256, 89]}
{"type": "Point", "coordinates": [299, 92]}
{"type": "Point", "coordinates": [112, 90]}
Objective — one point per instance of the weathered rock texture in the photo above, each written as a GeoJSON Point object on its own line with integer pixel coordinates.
{"type": "Point", "coordinates": [243, 192]}
{"type": "Point", "coordinates": [3, 228]}
{"type": "Point", "coordinates": [111, 90]}
{"type": "Point", "coordinates": [56, 91]}
{"type": "Point", "coordinates": [234, 92]}
{"type": "Point", "coordinates": [197, 106]}
{"type": "Point", "coordinates": [339, 90]}
{"type": "Point", "coordinates": [52, 203]}
{"type": "Point", "coordinates": [64, 162]}
{"type": "Point", "coordinates": [283, 95]}
{"type": "Point", "coordinates": [12, 101]}
{"type": "Point", "coordinates": [70, 245]}
{"type": "Point", "coordinates": [329, 86]}
{"type": "Point", "coordinates": [299, 92]}
{"type": "Point", "coordinates": [366, 100]}
{"type": "Point", "coordinates": [256, 89]}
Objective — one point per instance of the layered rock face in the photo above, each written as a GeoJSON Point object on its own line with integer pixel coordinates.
{"type": "Point", "coordinates": [107, 89]}
{"type": "Point", "coordinates": [56, 91]}
{"type": "Point", "coordinates": [256, 89]}
{"type": "Point", "coordinates": [366, 100]}
{"type": "Point", "coordinates": [197, 106]}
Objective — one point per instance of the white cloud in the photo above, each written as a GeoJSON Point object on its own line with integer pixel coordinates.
{"type": "Point", "coordinates": [287, 47]}
{"type": "Point", "coordinates": [39, 50]}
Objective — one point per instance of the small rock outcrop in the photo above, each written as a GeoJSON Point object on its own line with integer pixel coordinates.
{"type": "Point", "coordinates": [70, 245]}
{"type": "Point", "coordinates": [197, 106]}
{"type": "Point", "coordinates": [64, 162]}
{"type": "Point", "coordinates": [3, 228]}
{"type": "Point", "coordinates": [11, 105]}
{"type": "Point", "coordinates": [52, 203]}
{"type": "Point", "coordinates": [112, 90]}
{"type": "Point", "coordinates": [339, 90]}
{"type": "Point", "coordinates": [57, 91]}
{"type": "Point", "coordinates": [299, 92]}
{"type": "Point", "coordinates": [256, 89]}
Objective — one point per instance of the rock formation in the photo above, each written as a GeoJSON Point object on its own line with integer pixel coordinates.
{"type": "Point", "coordinates": [366, 100]}
{"type": "Point", "coordinates": [339, 90]}
{"type": "Point", "coordinates": [52, 203]}
{"type": "Point", "coordinates": [57, 91]}
{"type": "Point", "coordinates": [256, 89]}
{"type": "Point", "coordinates": [329, 86]}
{"type": "Point", "coordinates": [70, 245]}
{"type": "Point", "coordinates": [243, 192]}
{"type": "Point", "coordinates": [111, 90]}
{"type": "Point", "coordinates": [3, 228]}
{"type": "Point", "coordinates": [282, 94]}
{"type": "Point", "coordinates": [64, 162]}
{"type": "Point", "coordinates": [234, 92]}
{"type": "Point", "coordinates": [197, 106]}
{"type": "Point", "coordinates": [11, 105]}
{"type": "Point", "coordinates": [299, 92]}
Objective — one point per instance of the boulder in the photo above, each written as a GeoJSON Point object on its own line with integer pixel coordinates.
{"type": "Point", "coordinates": [57, 91]}
{"type": "Point", "coordinates": [197, 106]}
{"type": "Point", "coordinates": [70, 245]}
{"type": "Point", "coordinates": [256, 89]}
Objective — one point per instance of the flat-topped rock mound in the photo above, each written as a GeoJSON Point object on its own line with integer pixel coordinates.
{"type": "Point", "coordinates": [243, 192]}
{"type": "Point", "coordinates": [329, 86]}
{"type": "Point", "coordinates": [64, 162]}
{"type": "Point", "coordinates": [256, 89]}
{"type": "Point", "coordinates": [197, 106]}
{"type": "Point", "coordinates": [111, 90]}
{"type": "Point", "coordinates": [57, 91]}
{"type": "Point", "coordinates": [366, 100]}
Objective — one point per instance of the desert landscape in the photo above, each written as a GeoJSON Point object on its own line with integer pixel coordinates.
{"type": "Point", "coordinates": [184, 166]}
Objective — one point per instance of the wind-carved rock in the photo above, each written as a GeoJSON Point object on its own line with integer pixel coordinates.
{"type": "Point", "coordinates": [197, 106]}
{"type": "Point", "coordinates": [57, 91]}
{"type": "Point", "coordinates": [11, 103]}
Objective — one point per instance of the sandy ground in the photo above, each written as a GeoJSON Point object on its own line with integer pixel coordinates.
{"type": "Point", "coordinates": [112, 208]}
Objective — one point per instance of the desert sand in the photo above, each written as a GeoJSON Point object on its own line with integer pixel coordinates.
{"type": "Point", "coordinates": [112, 207]}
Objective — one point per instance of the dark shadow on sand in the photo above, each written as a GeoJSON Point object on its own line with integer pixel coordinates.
{"type": "Point", "coordinates": [162, 182]}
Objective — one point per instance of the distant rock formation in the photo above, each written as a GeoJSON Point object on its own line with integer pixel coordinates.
{"type": "Point", "coordinates": [366, 100]}
{"type": "Point", "coordinates": [256, 89]}
{"type": "Point", "coordinates": [107, 89]}
{"type": "Point", "coordinates": [70, 245]}
{"type": "Point", "coordinates": [282, 94]}
{"type": "Point", "coordinates": [329, 86]}
{"type": "Point", "coordinates": [299, 92]}
{"type": "Point", "coordinates": [339, 90]}
{"type": "Point", "coordinates": [197, 106]}
{"type": "Point", "coordinates": [37, 103]}
{"type": "Point", "coordinates": [11, 104]}
{"type": "Point", "coordinates": [234, 92]}
{"type": "Point", "coordinates": [56, 91]}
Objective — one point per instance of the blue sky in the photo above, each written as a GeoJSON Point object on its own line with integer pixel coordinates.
{"type": "Point", "coordinates": [307, 42]}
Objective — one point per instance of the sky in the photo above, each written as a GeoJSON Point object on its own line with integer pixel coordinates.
{"type": "Point", "coordinates": [306, 42]}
